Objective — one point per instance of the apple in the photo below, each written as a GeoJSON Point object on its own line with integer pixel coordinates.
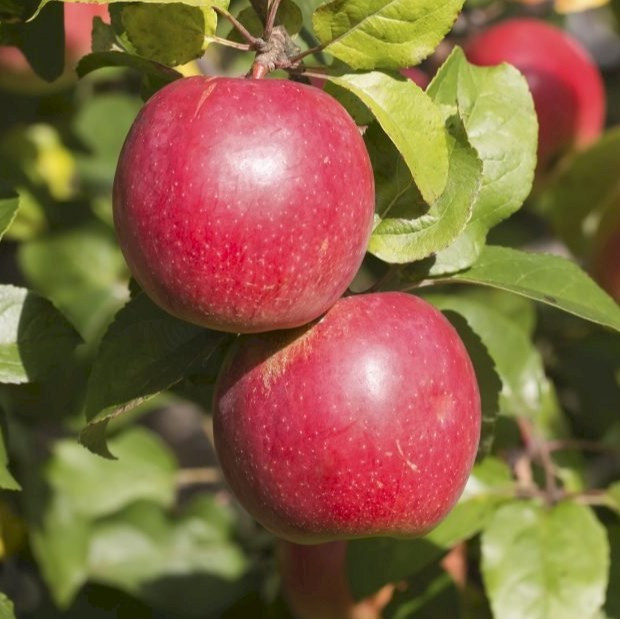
{"type": "Point", "coordinates": [15, 71]}
{"type": "Point", "coordinates": [566, 85]}
{"type": "Point", "coordinates": [243, 205]}
{"type": "Point", "coordinates": [315, 583]}
{"type": "Point", "coordinates": [417, 76]}
{"type": "Point", "coordinates": [363, 423]}
{"type": "Point", "coordinates": [605, 263]}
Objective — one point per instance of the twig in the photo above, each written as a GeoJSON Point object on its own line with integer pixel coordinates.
{"type": "Point", "coordinates": [566, 444]}
{"type": "Point", "coordinates": [192, 477]}
{"type": "Point", "coordinates": [243, 31]}
{"type": "Point", "coordinates": [271, 18]}
{"type": "Point", "coordinates": [240, 46]}
{"type": "Point", "coordinates": [538, 448]}
{"type": "Point", "coordinates": [590, 497]}
{"type": "Point", "coordinates": [308, 52]}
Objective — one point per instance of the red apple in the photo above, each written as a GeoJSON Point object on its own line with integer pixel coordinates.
{"type": "Point", "coordinates": [417, 76]}
{"type": "Point", "coordinates": [244, 205]}
{"type": "Point", "coordinates": [605, 263]}
{"type": "Point", "coordinates": [15, 72]}
{"type": "Point", "coordinates": [363, 423]}
{"type": "Point", "coordinates": [315, 583]}
{"type": "Point", "coordinates": [566, 85]}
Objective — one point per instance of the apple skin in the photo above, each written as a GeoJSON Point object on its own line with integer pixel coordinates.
{"type": "Point", "coordinates": [364, 423]}
{"type": "Point", "coordinates": [566, 85]}
{"type": "Point", "coordinates": [605, 263]}
{"type": "Point", "coordinates": [244, 205]}
{"type": "Point", "coordinates": [417, 76]}
{"type": "Point", "coordinates": [315, 583]}
{"type": "Point", "coordinates": [16, 74]}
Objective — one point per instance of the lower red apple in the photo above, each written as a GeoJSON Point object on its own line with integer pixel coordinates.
{"type": "Point", "coordinates": [315, 583]}
{"type": "Point", "coordinates": [566, 85]}
{"type": "Point", "coordinates": [244, 205]}
{"type": "Point", "coordinates": [364, 423]}
{"type": "Point", "coordinates": [15, 71]}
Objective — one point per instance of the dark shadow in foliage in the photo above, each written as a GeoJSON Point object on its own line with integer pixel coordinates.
{"type": "Point", "coordinates": [375, 562]}
{"type": "Point", "coordinates": [584, 364]}
{"type": "Point", "coordinates": [255, 606]}
{"type": "Point", "coordinates": [489, 382]}
{"type": "Point", "coordinates": [612, 598]}
{"type": "Point", "coordinates": [432, 594]}
{"type": "Point", "coordinates": [93, 602]}
{"type": "Point", "coordinates": [194, 596]}
{"type": "Point", "coordinates": [42, 41]}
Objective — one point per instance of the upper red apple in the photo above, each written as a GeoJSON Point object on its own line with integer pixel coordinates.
{"type": "Point", "coordinates": [15, 71]}
{"type": "Point", "coordinates": [566, 85]}
{"type": "Point", "coordinates": [363, 423]}
{"type": "Point", "coordinates": [244, 205]}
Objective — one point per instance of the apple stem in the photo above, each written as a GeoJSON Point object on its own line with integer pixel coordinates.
{"type": "Point", "coordinates": [276, 53]}
{"type": "Point", "coordinates": [259, 71]}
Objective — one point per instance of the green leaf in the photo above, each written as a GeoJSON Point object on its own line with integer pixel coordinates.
{"type": "Point", "coordinates": [7, 481]}
{"type": "Point", "coordinates": [430, 595]}
{"type": "Point", "coordinates": [41, 40]}
{"type": "Point", "coordinates": [579, 195]}
{"type": "Point", "coordinates": [17, 10]}
{"type": "Point", "coordinates": [374, 562]}
{"type": "Point", "coordinates": [497, 110]}
{"type": "Point", "coordinates": [542, 562]}
{"type": "Point", "coordinates": [59, 541]}
{"type": "Point", "coordinates": [404, 230]}
{"type": "Point", "coordinates": [289, 15]}
{"type": "Point", "coordinates": [171, 34]}
{"type": "Point", "coordinates": [162, 560]}
{"type": "Point", "coordinates": [6, 608]}
{"type": "Point", "coordinates": [34, 336]}
{"type": "Point", "coordinates": [204, 4]}
{"type": "Point", "coordinates": [82, 272]}
{"type": "Point", "coordinates": [525, 389]}
{"type": "Point", "coordinates": [389, 34]}
{"type": "Point", "coordinates": [9, 203]}
{"type": "Point", "coordinates": [74, 486]}
{"type": "Point", "coordinates": [94, 487]}
{"type": "Point", "coordinates": [489, 383]}
{"type": "Point", "coordinates": [411, 121]}
{"type": "Point", "coordinates": [148, 68]}
{"type": "Point", "coordinates": [102, 123]}
{"type": "Point", "coordinates": [549, 279]}
{"type": "Point", "coordinates": [613, 492]}
{"type": "Point", "coordinates": [144, 351]}
{"type": "Point", "coordinates": [104, 37]}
